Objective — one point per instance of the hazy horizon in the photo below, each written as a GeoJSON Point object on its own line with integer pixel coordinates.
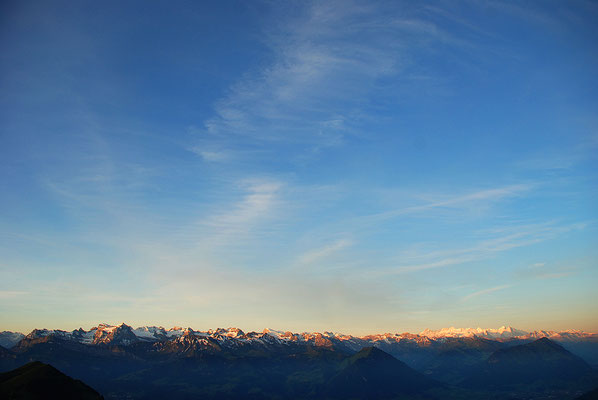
{"type": "Point", "coordinates": [298, 331]}
{"type": "Point", "coordinates": [204, 329]}
{"type": "Point", "coordinates": [348, 166]}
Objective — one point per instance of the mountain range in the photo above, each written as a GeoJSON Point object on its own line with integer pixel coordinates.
{"type": "Point", "coordinates": [125, 334]}
{"type": "Point", "coordinates": [464, 346]}
{"type": "Point", "coordinates": [153, 362]}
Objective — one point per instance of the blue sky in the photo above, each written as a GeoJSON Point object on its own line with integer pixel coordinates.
{"type": "Point", "coordinates": [337, 165]}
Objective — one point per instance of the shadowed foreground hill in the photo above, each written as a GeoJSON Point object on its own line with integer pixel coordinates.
{"type": "Point", "coordinates": [542, 361]}
{"type": "Point", "coordinates": [37, 380]}
{"type": "Point", "coordinates": [591, 395]}
{"type": "Point", "coordinates": [372, 373]}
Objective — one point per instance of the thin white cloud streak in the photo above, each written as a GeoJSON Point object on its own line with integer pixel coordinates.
{"type": "Point", "coordinates": [435, 264]}
{"type": "Point", "coordinates": [211, 155]}
{"type": "Point", "coordinates": [553, 275]}
{"type": "Point", "coordinates": [484, 292]}
{"type": "Point", "coordinates": [324, 252]}
{"type": "Point", "coordinates": [543, 271]}
{"type": "Point", "coordinates": [564, 159]}
{"type": "Point", "coordinates": [441, 206]}
{"type": "Point", "coordinates": [10, 294]}
{"type": "Point", "coordinates": [485, 249]}
{"type": "Point", "coordinates": [486, 195]}
{"type": "Point", "coordinates": [259, 199]}
{"type": "Point", "coordinates": [258, 211]}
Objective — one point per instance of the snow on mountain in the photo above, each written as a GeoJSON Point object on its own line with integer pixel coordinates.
{"type": "Point", "coordinates": [507, 332]}
{"type": "Point", "coordinates": [175, 331]}
{"type": "Point", "coordinates": [39, 333]}
{"type": "Point", "coordinates": [398, 337]}
{"type": "Point", "coordinates": [280, 335]}
{"type": "Point", "coordinates": [159, 333]}
{"type": "Point", "coordinates": [85, 337]}
{"type": "Point", "coordinates": [108, 334]}
{"type": "Point", "coordinates": [233, 337]}
{"type": "Point", "coordinates": [8, 340]}
{"type": "Point", "coordinates": [504, 332]}
{"type": "Point", "coordinates": [149, 332]}
{"type": "Point", "coordinates": [155, 333]}
{"type": "Point", "coordinates": [189, 343]}
{"type": "Point", "coordinates": [563, 336]}
{"type": "Point", "coordinates": [230, 332]}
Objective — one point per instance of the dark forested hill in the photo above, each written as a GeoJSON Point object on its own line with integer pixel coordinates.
{"type": "Point", "coordinates": [37, 380]}
{"type": "Point", "coordinates": [372, 373]}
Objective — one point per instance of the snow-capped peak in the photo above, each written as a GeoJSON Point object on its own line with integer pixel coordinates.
{"type": "Point", "coordinates": [504, 332]}
{"type": "Point", "coordinates": [8, 340]}
{"type": "Point", "coordinates": [117, 335]}
{"type": "Point", "coordinates": [123, 335]}
{"type": "Point", "coordinates": [272, 332]}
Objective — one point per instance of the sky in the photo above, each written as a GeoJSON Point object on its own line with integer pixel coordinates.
{"type": "Point", "coordinates": [349, 166]}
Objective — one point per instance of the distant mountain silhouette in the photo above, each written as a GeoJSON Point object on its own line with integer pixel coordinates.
{"type": "Point", "coordinates": [4, 351]}
{"type": "Point", "coordinates": [457, 358]}
{"type": "Point", "coordinates": [37, 380]}
{"type": "Point", "coordinates": [540, 361]}
{"type": "Point", "coordinates": [228, 363]}
{"type": "Point", "coordinates": [591, 395]}
{"type": "Point", "coordinates": [374, 374]}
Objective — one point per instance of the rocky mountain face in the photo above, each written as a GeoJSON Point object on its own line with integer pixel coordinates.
{"type": "Point", "coordinates": [10, 339]}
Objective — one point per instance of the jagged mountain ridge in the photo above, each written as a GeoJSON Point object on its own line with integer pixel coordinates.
{"type": "Point", "coordinates": [268, 364]}
{"type": "Point", "coordinates": [508, 333]}
{"type": "Point", "coordinates": [124, 335]}
{"type": "Point", "coordinates": [429, 351]}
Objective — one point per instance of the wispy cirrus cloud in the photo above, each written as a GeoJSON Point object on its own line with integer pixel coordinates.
{"type": "Point", "coordinates": [546, 271]}
{"type": "Point", "coordinates": [211, 155]}
{"type": "Point", "coordinates": [562, 159]}
{"type": "Point", "coordinates": [324, 252]}
{"type": "Point", "coordinates": [427, 206]}
{"type": "Point", "coordinates": [484, 196]}
{"type": "Point", "coordinates": [240, 219]}
{"type": "Point", "coordinates": [324, 70]}
{"type": "Point", "coordinates": [520, 236]}
{"type": "Point", "coordinates": [484, 292]}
